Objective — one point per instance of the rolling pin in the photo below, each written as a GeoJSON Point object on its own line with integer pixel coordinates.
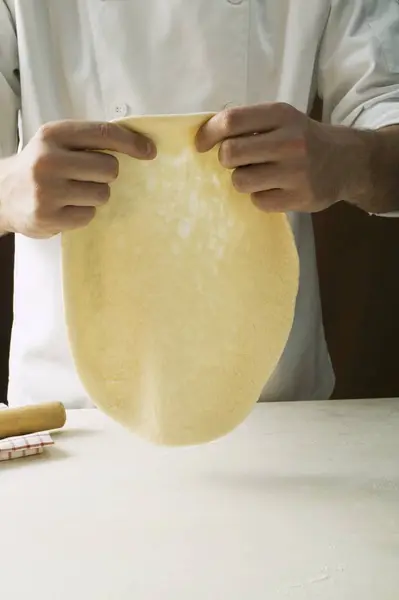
{"type": "Point", "coordinates": [31, 419]}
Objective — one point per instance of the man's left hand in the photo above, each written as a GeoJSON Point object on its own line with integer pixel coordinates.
{"type": "Point", "coordinates": [284, 159]}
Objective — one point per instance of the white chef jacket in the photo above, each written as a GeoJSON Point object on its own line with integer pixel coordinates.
{"type": "Point", "coordinates": [102, 59]}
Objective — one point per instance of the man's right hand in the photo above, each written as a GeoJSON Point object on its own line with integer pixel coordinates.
{"type": "Point", "coordinates": [58, 180]}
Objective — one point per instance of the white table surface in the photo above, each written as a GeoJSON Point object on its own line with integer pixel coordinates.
{"type": "Point", "coordinates": [300, 502]}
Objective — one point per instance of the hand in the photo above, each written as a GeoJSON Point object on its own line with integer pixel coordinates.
{"type": "Point", "coordinates": [282, 158]}
{"type": "Point", "coordinates": [58, 180]}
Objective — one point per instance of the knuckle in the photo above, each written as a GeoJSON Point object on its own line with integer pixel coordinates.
{"type": "Point", "coordinates": [47, 131]}
{"type": "Point", "coordinates": [41, 165]}
{"type": "Point", "coordinates": [285, 110]}
{"type": "Point", "coordinates": [230, 119]}
{"type": "Point", "coordinates": [227, 153]}
{"type": "Point", "coordinates": [298, 140]}
{"type": "Point", "coordinates": [293, 148]}
{"type": "Point", "coordinates": [105, 130]}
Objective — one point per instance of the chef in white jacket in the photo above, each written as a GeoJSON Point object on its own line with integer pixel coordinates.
{"type": "Point", "coordinates": [68, 68]}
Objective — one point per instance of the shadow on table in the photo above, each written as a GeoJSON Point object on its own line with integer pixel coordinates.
{"type": "Point", "coordinates": [72, 433]}
{"type": "Point", "coordinates": [323, 484]}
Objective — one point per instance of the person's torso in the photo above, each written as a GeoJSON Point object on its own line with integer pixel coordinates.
{"type": "Point", "coordinates": [105, 59]}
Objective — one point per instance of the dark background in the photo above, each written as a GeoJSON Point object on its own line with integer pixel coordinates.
{"type": "Point", "coordinates": [6, 289]}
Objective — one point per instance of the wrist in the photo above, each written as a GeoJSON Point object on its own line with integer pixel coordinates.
{"type": "Point", "coordinates": [353, 152]}
{"type": "Point", "coordinates": [369, 168]}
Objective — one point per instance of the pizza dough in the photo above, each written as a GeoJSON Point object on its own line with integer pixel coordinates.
{"type": "Point", "coordinates": [180, 295]}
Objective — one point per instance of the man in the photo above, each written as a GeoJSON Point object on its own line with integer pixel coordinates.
{"type": "Point", "coordinates": [73, 66]}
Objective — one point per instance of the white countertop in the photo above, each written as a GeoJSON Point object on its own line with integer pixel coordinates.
{"type": "Point", "coordinates": [301, 502]}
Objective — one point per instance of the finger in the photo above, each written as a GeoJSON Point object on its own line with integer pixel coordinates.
{"type": "Point", "coordinates": [233, 122]}
{"type": "Point", "coordinates": [287, 201]}
{"type": "Point", "coordinates": [84, 166]}
{"type": "Point", "coordinates": [89, 135]}
{"type": "Point", "coordinates": [80, 193]}
{"type": "Point", "coordinates": [276, 201]}
{"type": "Point", "coordinates": [258, 178]}
{"type": "Point", "coordinates": [76, 193]}
{"type": "Point", "coordinates": [257, 149]}
{"type": "Point", "coordinates": [74, 217]}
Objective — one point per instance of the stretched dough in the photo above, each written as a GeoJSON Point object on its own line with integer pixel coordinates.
{"type": "Point", "coordinates": [180, 294]}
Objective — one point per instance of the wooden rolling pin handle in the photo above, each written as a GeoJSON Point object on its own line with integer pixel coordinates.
{"type": "Point", "coordinates": [31, 419]}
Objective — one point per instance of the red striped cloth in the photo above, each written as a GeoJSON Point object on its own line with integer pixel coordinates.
{"type": "Point", "coordinates": [24, 445]}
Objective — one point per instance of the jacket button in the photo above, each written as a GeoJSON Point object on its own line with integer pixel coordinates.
{"type": "Point", "coordinates": [121, 110]}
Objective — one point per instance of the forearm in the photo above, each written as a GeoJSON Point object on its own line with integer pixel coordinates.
{"type": "Point", "coordinates": [370, 169]}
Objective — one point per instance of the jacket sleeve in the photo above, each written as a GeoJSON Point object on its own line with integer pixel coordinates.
{"type": "Point", "coordinates": [9, 82]}
{"type": "Point", "coordinates": [358, 68]}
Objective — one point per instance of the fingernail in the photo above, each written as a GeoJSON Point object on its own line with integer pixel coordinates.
{"type": "Point", "coordinates": [199, 142]}
{"type": "Point", "coordinates": [149, 149]}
